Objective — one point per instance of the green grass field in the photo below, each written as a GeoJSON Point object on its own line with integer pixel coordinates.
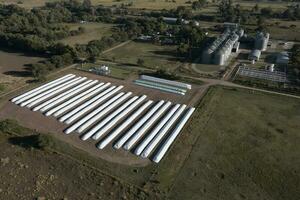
{"type": "Point", "coordinates": [93, 31]}
{"type": "Point", "coordinates": [282, 30]}
{"type": "Point", "coordinates": [207, 68]}
{"type": "Point", "coordinates": [155, 56]}
{"type": "Point", "coordinates": [246, 147]}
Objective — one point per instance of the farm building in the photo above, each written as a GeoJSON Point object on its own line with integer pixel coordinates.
{"type": "Point", "coordinates": [101, 70]}
{"type": "Point", "coordinates": [163, 84]}
{"type": "Point", "coordinates": [254, 55]}
{"type": "Point", "coordinates": [282, 58]}
{"type": "Point", "coordinates": [174, 20]}
{"type": "Point", "coordinates": [261, 41]}
{"type": "Point", "coordinates": [170, 20]}
{"type": "Point", "coordinates": [230, 25]}
{"type": "Point", "coordinates": [220, 50]}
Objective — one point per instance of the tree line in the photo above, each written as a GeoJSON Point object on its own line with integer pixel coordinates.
{"type": "Point", "coordinates": [39, 29]}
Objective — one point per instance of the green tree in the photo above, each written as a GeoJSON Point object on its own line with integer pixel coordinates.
{"type": "Point", "coordinates": [92, 58]}
{"type": "Point", "coordinates": [295, 56]}
{"type": "Point", "coordinates": [198, 4]}
{"type": "Point", "coordinates": [261, 24]}
{"type": "Point", "coordinates": [183, 49]}
{"type": "Point", "coordinates": [255, 8]}
{"type": "Point", "coordinates": [140, 62]}
{"type": "Point", "coordinates": [294, 64]}
{"type": "Point", "coordinates": [39, 71]}
{"type": "Point", "coordinates": [87, 3]}
{"type": "Point", "coordinates": [226, 10]}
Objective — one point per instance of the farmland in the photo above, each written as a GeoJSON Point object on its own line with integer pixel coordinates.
{"type": "Point", "coordinates": [154, 56]}
{"type": "Point", "coordinates": [89, 135]}
{"type": "Point", "coordinates": [256, 157]}
{"type": "Point", "coordinates": [154, 5]}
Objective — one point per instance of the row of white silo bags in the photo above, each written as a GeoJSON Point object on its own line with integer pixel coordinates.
{"type": "Point", "coordinates": [73, 102]}
{"type": "Point", "coordinates": [162, 132]}
{"type": "Point", "coordinates": [92, 114]}
{"type": "Point", "coordinates": [111, 136]}
{"type": "Point", "coordinates": [171, 138]}
{"type": "Point", "coordinates": [100, 114]}
{"type": "Point", "coordinates": [84, 95]}
{"type": "Point", "coordinates": [111, 120]}
{"type": "Point", "coordinates": [63, 96]}
{"type": "Point", "coordinates": [74, 114]}
{"type": "Point", "coordinates": [153, 133]}
{"type": "Point", "coordinates": [107, 118]}
{"type": "Point", "coordinates": [129, 134]}
{"type": "Point", "coordinates": [165, 81]}
{"type": "Point", "coordinates": [45, 90]}
{"type": "Point", "coordinates": [96, 108]}
{"type": "Point", "coordinates": [42, 88]}
{"type": "Point", "coordinates": [129, 144]}
{"type": "Point", "coordinates": [49, 93]}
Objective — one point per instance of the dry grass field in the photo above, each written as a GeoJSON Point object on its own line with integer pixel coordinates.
{"type": "Point", "coordinates": [154, 56]}
{"type": "Point", "coordinates": [93, 31]}
{"type": "Point", "coordinates": [246, 148]}
{"type": "Point", "coordinates": [145, 4]}
{"type": "Point", "coordinates": [13, 70]}
{"type": "Point", "coordinates": [148, 4]}
{"type": "Point", "coordinates": [156, 4]}
{"type": "Point", "coordinates": [29, 170]}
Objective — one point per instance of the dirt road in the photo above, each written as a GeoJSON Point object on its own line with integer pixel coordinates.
{"type": "Point", "coordinates": [210, 82]}
{"type": "Point", "coordinates": [115, 47]}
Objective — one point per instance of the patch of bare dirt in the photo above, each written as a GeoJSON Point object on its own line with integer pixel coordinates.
{"type": "Point", "coordinates": [37, 121]}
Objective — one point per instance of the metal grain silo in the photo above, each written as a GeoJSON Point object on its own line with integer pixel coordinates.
{"type": "Point", "coordinates": [261, 41]}
{"type": "Point", "coordinates": [219, 58]}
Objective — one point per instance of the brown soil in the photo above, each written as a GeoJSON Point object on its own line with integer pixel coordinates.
{"type": "Point", "coordinates": [41, 123]}
{"type": "Point", "coordinates": [15, 62]}
{"type": "Point", "coordinates": [37, 121]}
{"type": "Point", "coordinates": [29, 173]}
{"type": "Point", "coordinates": [13, 72]}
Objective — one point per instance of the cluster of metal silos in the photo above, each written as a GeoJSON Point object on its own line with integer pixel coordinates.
{"type": "Point", "coordinates": [220, 50]}
{"type": "Point", "coordinates": [261, 41]}
{"type": "Point", "coordinates": [209, 53]}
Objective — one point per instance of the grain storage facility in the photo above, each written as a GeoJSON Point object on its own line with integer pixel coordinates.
{"type": "Point", "coordinates": [100, 111]}
{"type": "Point", "coordinates": [261, 41]}
{"type": "Point", "coordinates": [163, 84]}
{"type": "Point", "coordinates": [254, 55]}
{"type": "Point", "coordinates": [220, 50]}
{"type": "Point", "coordinates": [282, 58]}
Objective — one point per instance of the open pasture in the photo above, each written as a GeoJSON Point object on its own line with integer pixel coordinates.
{"type": "Point", "coordinates": [93, 31]}
{"type": "Point", "coordinates": [245, 148]}
{"type": "Point", "coordinates": [154, 56]}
